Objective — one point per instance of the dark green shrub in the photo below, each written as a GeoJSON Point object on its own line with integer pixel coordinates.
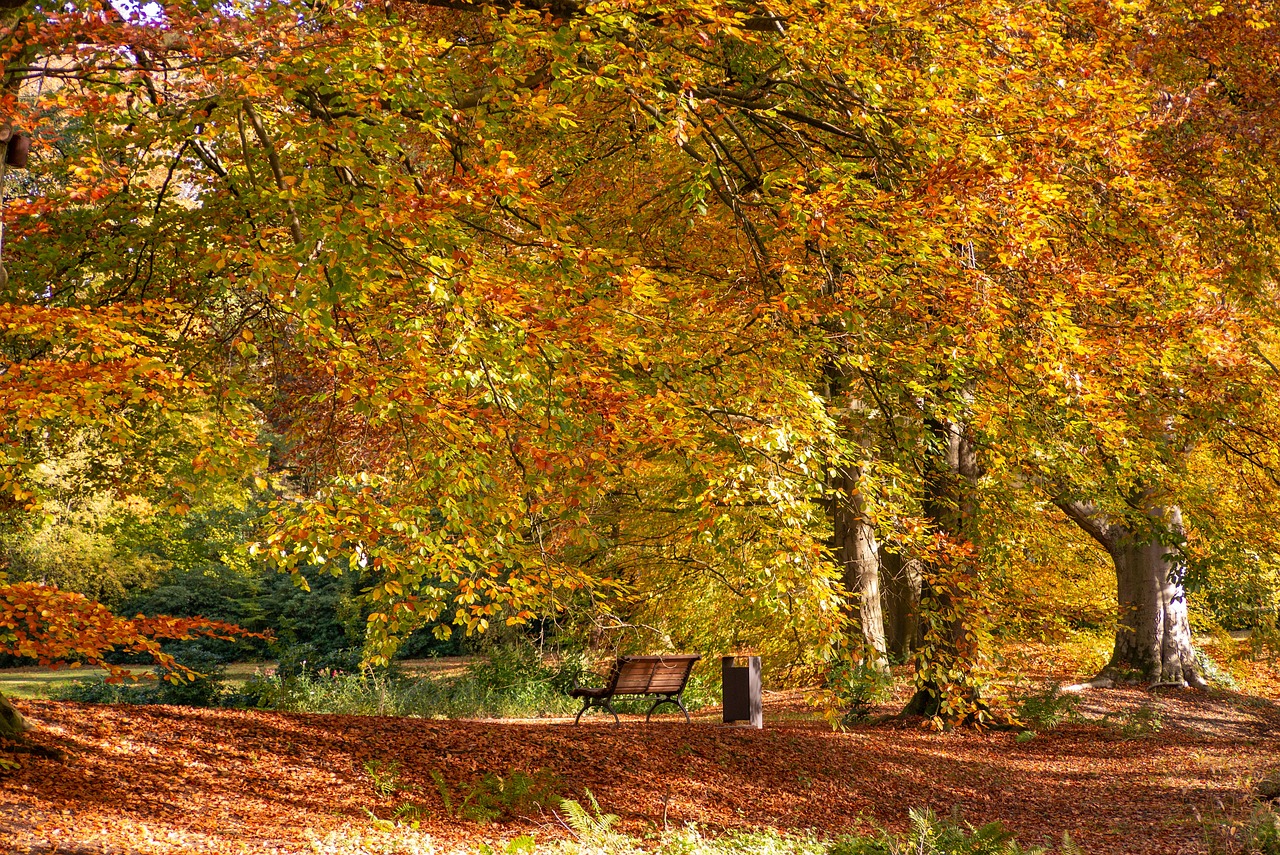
{"type": "Point", "coordinates": [204, 690]}
{"type": "Point", "coordinates": [258, 692]}
{"type": "Point", "coordinates": [573, 669]}
{"type": "Point", "coordinates": [97, 691]}
{"type": "Point", "coordinates": [207, 689]}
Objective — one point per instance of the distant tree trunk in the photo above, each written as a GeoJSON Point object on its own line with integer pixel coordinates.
{"type": "Point", "coordinates": [1153, 636]}
{"type": "Point", "coordinates": [950, 505]}
{"type": "Point", "coordinates": [900, 595]}
{"type": "Point", "coordinates": [854, 547]}
{"type": "Point", "coordinates": [12, 724]}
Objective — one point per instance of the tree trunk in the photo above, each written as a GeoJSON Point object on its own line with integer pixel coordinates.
{"type": "Point", "coordinates": [900, 594]}
{"type": "Point", "coordinates": [12, 724]}
{"type": "Point", "coordinates": [946, 685]}
{"type": "Point", "coordinates": [854, 547]}
{"type": "Point", "coordinates": [1153, 637]}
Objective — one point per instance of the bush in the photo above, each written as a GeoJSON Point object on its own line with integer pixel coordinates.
{"type": "Point", "coordinates": [311, 660]}
{"type": "Point", "coordinates": [511, 682]}
{"type": "Point", "coordinates": [857, 686]}
{"type": "Point", "coordinates": [1048, 708]}
{"type": "Point", "coordinates": [1264, 640]}
{"type": "Point", "coordinates": [205, 690]}
{"type": "Point", "coordinates": [98, 691]}
{"type": "Point", "coordinates": [208, 689]}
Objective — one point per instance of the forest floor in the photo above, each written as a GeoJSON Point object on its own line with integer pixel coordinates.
{"type": "Point", "coordinates": [176, 780]}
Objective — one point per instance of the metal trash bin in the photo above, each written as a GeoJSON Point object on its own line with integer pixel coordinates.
{"type": "Point", "coordinates": [741, 690]}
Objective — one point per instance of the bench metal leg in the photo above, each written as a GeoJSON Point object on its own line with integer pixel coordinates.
{"type": "Point", "coordinates": [586, 705]}
{"type": "Point", "coordinates": [669, 699]}
{"type": "Point", "coordinates": [603, 704]}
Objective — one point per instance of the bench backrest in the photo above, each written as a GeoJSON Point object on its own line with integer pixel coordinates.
{"type": "Point", "coordinates": [646, 675]}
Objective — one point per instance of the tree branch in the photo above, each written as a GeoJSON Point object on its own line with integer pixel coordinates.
{"type": "Point", "coordinates": [273, 159]}
{"type": "Point", "coordinates": [1089, 518]}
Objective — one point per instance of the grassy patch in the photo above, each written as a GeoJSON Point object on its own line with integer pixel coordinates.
{"type": "Point", "coordinates": [38, 682]}
{"type": "Point", "coordinates": [508, 683]}
{"type": "Point", "coordinates": [43, 682]}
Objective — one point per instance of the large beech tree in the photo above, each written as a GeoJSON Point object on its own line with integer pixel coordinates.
{"type": "Point", "coordinates": [1194, 374]}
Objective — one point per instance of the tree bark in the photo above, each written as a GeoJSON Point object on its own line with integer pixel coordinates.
{"type": "Point", "coordinates": [854, 546]}
{"type": "Point", "coordinates": [1153, 635]}
{"type": "Point", "coordinates": [900, 595]}
{"type": "Point", "coordinates": [12, 724]}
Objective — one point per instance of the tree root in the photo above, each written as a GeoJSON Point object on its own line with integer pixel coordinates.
{"type": "Point", "coordinates": [1099, 682]}
{"type": "Point", "coordinates": [12, 723]}
{"type": "Point", "coordinates": [982, 716]}
{"type": "Point", "coordinates": [1102, 681]}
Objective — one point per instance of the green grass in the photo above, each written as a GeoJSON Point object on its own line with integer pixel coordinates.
{"type": "Point", "coordinates": [42, 682]}
{"type": "Point", "coordinates": [38, 682]}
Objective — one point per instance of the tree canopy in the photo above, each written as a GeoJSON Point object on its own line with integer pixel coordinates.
{"type": "Point", "coordinates": [633, 312]}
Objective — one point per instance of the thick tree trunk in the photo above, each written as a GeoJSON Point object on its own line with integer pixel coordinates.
{"type": "Point", "coordinates": [12, 724]}
{"type": "Point", "coordinates": [900, 595]}
{"type": "Point", "coordinates": [854, 547]}
{"type": "Point", "coordinates": [1153, 636]}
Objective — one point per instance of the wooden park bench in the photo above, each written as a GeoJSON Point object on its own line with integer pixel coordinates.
{"type": "Point", "coordinates": [664, 676]}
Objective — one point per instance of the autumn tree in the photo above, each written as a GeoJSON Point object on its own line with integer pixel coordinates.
{"type": "Point", "coordinates": [638, 311]}
{"type": "Point", "coordinates": [1203, 375]}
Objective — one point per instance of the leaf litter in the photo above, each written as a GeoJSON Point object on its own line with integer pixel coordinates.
{"type": "Point", "coordinates": [184, 780]}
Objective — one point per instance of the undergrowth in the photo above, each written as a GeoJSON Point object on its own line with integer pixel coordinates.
{"type": "Point", "coordinates": [593, 831]}
{"type": "Point", "coordinates": [929, 834]}
{"type": "Point", "coordinates": [495, 797]}
{"type": "Point", "coordinates": [1048, 707]}
{"type": "Point", "coordinates": [489, 798]}
{"type": "Point", "coordinates": [206, 690]}
{"type": "Point", "coordinates": [855, 687]}
{"type": "Point", "coordinates": [1247, 827]}
{"type": "Point", "coordinates": [511, 682]}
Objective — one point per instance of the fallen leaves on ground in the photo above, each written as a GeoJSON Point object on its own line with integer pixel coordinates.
{"type": "Point", "coordinates": [177, 780]}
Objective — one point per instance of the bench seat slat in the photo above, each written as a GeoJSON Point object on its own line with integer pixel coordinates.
{"type": "Point", "coordinates": [634, 678]}
{"type": "Point", "coordinates": [667, 682]}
